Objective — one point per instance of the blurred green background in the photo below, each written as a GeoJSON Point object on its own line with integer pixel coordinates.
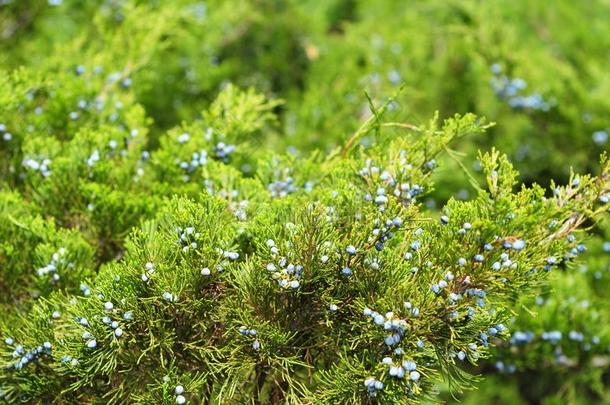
{"type": "Point", "coordinates": [539, 70]}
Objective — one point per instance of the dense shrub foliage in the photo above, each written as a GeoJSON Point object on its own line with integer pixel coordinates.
{"type": "Point", "coordinates": [268, 202]}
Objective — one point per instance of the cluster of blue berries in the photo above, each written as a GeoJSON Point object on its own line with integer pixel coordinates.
{"type": "Point", "coordinates": [326, 250]}
{"type": "Point", "coordinates": [472, 351]}
{"type": "Point", "coordinates": [408, 192]}
{"type": "Point", "coordinates": [226, 257]}
{"type": "Point", "coordinates": [41, 165]}
{"type": "Point", "coordinates": [511, 90]}
{"type": "Point", "coordinates": [93, 158]}
{"type": "Point", "coordinates": [188, 238]}
{"type": "Point", "coordinates": [411, 310]}
{"type": "Point", "coordinates": [553, 337]}
{"type": "Point", "coordinates": [58, 262]}
{"type": "Point", "coordinates": [396, 328]}
{"type": "Point", "coordinates": [466, 226]}
{"type": "Point", "coordinates": [521, 338]}
{"type": "Point", "coordinates": [384, 231]}
{"type": "Point", "coordinates": [23, 357]}
{"type": "Point", "coordinates": [406, 368]}
{"type": "Point", "coordinates": [504, 262]}
{"type": "Point", "coordinates": [491, 332]}
{"type": "Point", "coordinates": [373, 386]}
{"type": "Point", "coordinates": [117, 77]}
{"type": "Point", "coordinates": [518, 244]}
{"type": "Point", "coordinates": [503, 367]}
{"type": "Point", "coordinates": [184, 138]}
{"type": "Point", "coordinates": [223, 151]}
{"type": "Point", "coordinates": [346, 271]}
{"type": "Point", "coordinates": [95, 155]}
{"type": "Point", "coordinates": [144, 158]}
{"type": "Point", "coordinates": [245, 331]}
{"type": "Point", "coordinates": [149, 270]}
{"type": "Point", "coordinates": [90, 340]}
{"type": "Point", "coordinates": [389, 185]}
{"type": "Point", "coordinates": [288, 275]}
{"type": "Point", "coordinates": [6, 136]}
{"type": "Point", "coordinates": [178, 391]}
{"type": "Point", "coordinates": [443, 283]}
{"type": "Point", "coordinates": [550, 262]}
{"type": "Point", "coordinates": [229, 254]}
{"type": "Point", "coordinates": [282, 185]}
{"type": "Point", "coordinates": [478, 293]}
{"type": "Point", "coordinates": [115, 325]}
{"type": "Point", "coordinates": [198, 159]}
{"type": "Point", "coordinates": [575, 250]}
{"type": "Point", "coordinates": [69, 360]}
{"type": "Point", "coordinates": [85, 289]}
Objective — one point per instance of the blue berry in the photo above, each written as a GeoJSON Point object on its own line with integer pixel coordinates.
{"type": "Point", "coordinates": [409, 365]}
{"type": "Point", "coordinates": [600, 137]}
{"type": "Point", "coordinates": [378, 320]}
{"type": "Point", "coordinates": [519, 244]}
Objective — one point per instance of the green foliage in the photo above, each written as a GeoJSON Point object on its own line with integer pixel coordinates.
{"type": "Point", "coordinates": [36, 256]}
{"type": "Point", "coordinates": [299, 266]}
{"type": "Point", "coordinates": [239, 201]}
{"type": "Point", "coordinates": [560, 336]}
